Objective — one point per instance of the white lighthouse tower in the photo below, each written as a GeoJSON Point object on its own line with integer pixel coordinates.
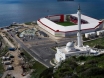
{"type": "Point", "coordinates": [79, 36]}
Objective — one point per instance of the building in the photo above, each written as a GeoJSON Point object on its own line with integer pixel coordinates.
{"type": "Point", "coordinates": [71, 49]}
{"type": "Point", "coordinates": [88, 24]}
{"type": "Point", "coordinates": [42, 34]}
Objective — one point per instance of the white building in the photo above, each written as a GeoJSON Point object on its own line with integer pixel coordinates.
{"type": "Point", "coordinates": [70, 49]}
{"type": "Point", "coordinates": [56, 30]}
{"type": "Point", "coordinates": [75, 50]}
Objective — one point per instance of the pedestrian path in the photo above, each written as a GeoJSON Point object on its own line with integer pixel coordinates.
{"type": "Point", "coordinates": [5, 74]}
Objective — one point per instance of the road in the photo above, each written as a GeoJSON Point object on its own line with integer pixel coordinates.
{"type": "Point", "coordinates": [32, 53]}
{"type": "Point", "coordinates": [5, 74]}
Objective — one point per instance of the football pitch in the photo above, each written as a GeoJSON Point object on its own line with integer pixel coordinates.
{"type": "Point", "coordinates": [66, 23]}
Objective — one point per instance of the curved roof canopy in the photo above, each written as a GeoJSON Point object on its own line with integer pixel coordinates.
{"type": "Point", "coordinates": [92, 23]}
{"type": "Point", "coordinates": [70, 44]}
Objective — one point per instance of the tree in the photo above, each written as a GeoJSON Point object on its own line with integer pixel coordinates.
{"type": "Point", "coordinates": [48, 73]}
{"type": "Point", "coordinates": [92, 72]}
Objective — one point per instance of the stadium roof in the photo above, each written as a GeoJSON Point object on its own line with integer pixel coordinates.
{"type": "Point", "coordinates": [87, 18]}
{"type": "Point", "coordinates": [92, 23]}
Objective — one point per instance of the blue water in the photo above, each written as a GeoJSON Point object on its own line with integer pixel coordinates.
{"type": "Point", "coordinates": [30, 10]}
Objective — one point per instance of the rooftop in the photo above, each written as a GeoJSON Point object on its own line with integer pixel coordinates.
{"type": "Point", "coordinates": [78, 50]}
{"type": "Point", "coordinates": [92, 23]}
{"type": "Point", "coordinates": [87, 18]}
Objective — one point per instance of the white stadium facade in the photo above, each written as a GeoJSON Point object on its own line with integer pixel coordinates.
{"type": "Point", "coordinates": [88, 24]}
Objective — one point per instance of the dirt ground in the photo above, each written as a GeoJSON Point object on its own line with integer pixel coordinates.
{"type": "Point", "coordinates": [17, 72]}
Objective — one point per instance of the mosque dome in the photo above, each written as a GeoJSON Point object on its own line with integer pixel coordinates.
{"type": "Point", "coordinates": [70, 44]}
{"type": "Point", "coordinates": [70, 47]}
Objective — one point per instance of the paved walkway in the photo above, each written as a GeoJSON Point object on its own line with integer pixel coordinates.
{"type": "Point", "coordinates": [5, 74]}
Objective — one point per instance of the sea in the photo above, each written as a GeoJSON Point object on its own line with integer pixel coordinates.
{"type": "Point", "coordinates": [21, 11]}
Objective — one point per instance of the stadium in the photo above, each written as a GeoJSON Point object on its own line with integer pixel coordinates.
{"type": "Point", "coordinates": [66, 25]}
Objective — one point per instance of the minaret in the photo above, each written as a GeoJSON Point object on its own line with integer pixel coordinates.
{"type": "Point", "coordinates": [79, 36]}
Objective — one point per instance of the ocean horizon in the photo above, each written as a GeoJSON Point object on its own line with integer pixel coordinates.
{"type": "Point", "coordinates": [21, 11]}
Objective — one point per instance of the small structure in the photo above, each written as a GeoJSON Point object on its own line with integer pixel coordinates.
{"type": "Point", "coordinates": [70, 46]}
{"type": "Point", "coordinates": [5, 58]}
{"type": "Point", "coordinates": [100, 33]}
{"type": "Point", "coordinates": [28, 32]}
{"type": "Point", "coordinates": [8, 58]}
{"type": "Point", "coordinates": [9, 67]}
{"type": "Point", "coordinates": [7, 62]}
{"type": "Point", "coordinates": [87, 35]}
{"type": "Point", "coordinates": [43, 34]}
{"type": "Point", "coordinates": [90, 35]}
{"type": "Point", "coordinates": [12, 49]}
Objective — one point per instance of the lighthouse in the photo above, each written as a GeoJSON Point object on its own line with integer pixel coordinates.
{"type": "Point", "coordinates": [79, 36]}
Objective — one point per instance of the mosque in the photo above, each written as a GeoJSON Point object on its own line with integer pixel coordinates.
{"type": "Point", "coordinates": [71, 49]}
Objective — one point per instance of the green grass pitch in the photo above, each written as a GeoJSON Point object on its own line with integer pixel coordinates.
{"type": "Point", "coordinates": [66, 23]}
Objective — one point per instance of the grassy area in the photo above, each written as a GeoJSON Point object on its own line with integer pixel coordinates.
{"type": "Point", "coordinates": [3, 51]}
{"type": "Point", "coordinates": [35, 23]}
{"type": "Point", "coordinates": [1, 68]}
{"type": "Point", "coordinates": [38, 67]}
{"type": "Point", "coordinates": [66, 23]}
{"type": "Point", "coordinates": [8, 37]}
{"type": "Point", "coordinates": [93, 67]}
{"type": "Point", "coordinates": [6, 34]}
{"type": "Point", "coordinates": [1, 38]}
{"type": "Point", "coordinates": [28, 56]}
{"type": "Point", "coordinates": [92, 43]}
{"type": "Point", "coordinates": [28, 23]}
{"type": "Point", "coordinates": [53, 48]}
{"type": "Point", "coordinates": [88, 58]}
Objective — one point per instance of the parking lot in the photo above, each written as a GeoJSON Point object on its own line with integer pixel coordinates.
{"type": "Point", "coordinates": [42, 47]}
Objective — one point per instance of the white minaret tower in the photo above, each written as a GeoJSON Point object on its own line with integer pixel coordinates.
{"type": "Point", "coordinates": [79, 36]}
